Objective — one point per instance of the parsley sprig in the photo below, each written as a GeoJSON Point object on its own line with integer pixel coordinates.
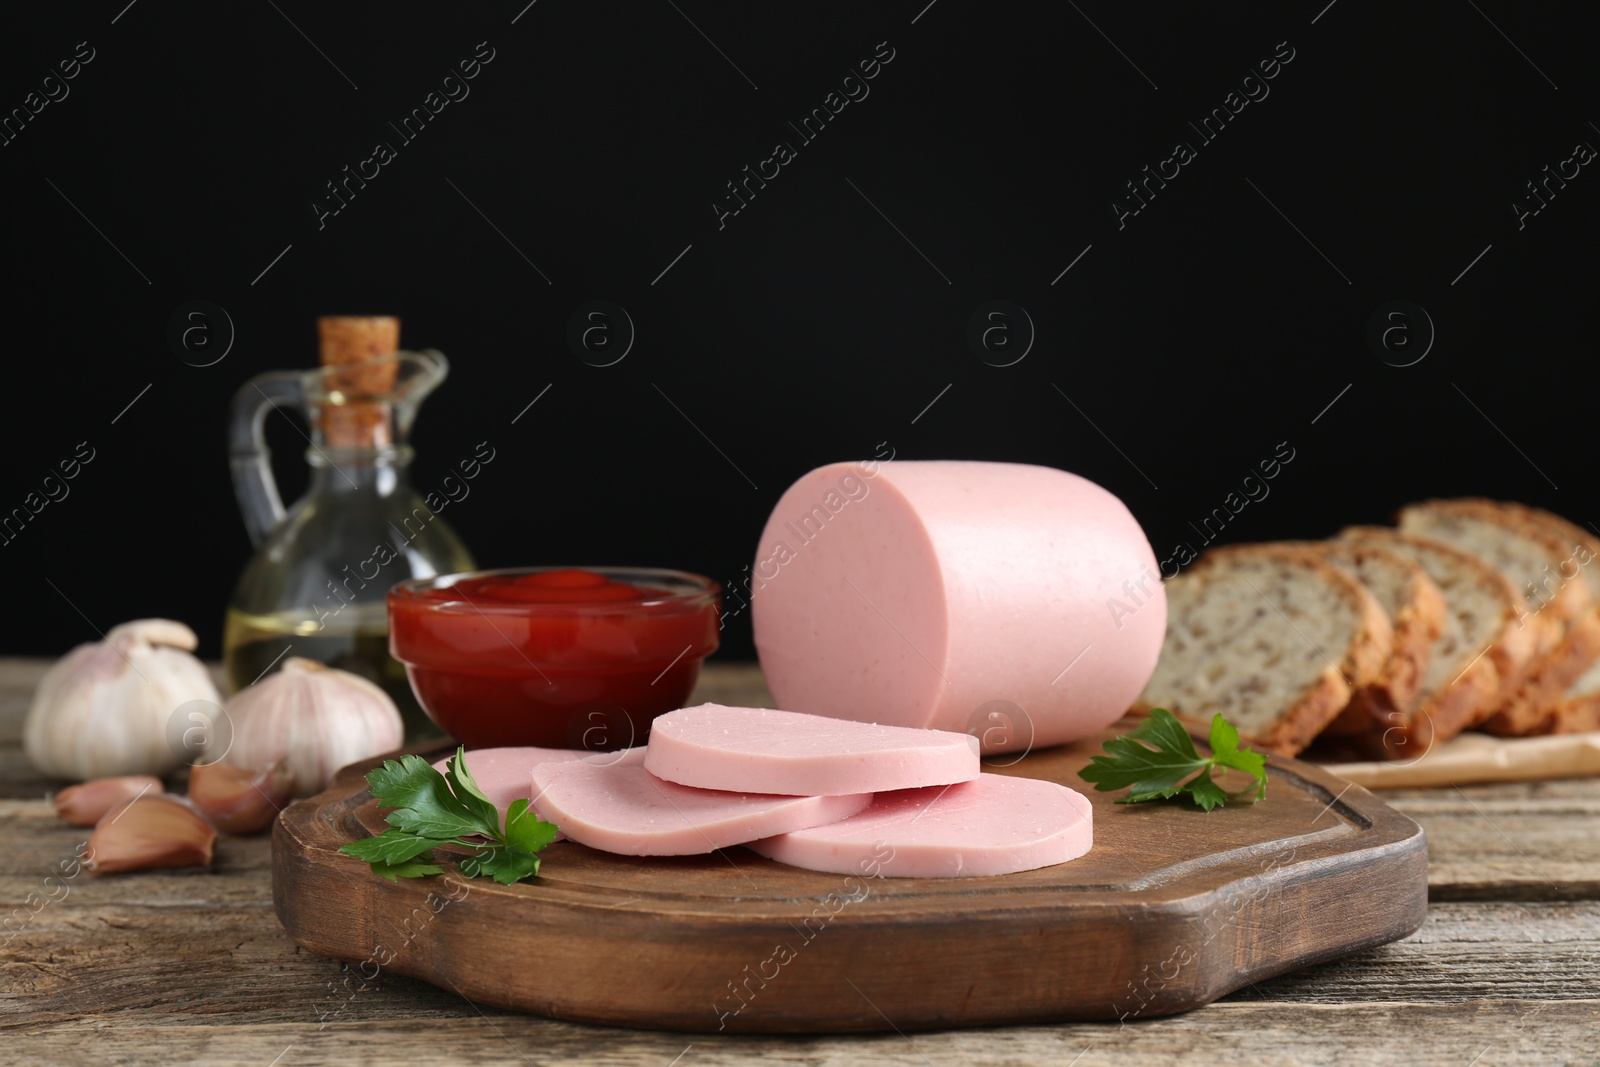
{"type": "Point", "coordinates": [1157, 768]}
{"type": "Point", "coordinates": [432, 809]}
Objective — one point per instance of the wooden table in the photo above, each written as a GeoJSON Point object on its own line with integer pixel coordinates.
{"type": "Point", "coordinates": [192, 967]}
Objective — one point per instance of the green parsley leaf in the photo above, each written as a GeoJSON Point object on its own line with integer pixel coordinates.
{"type": "Point", "coordinates": [526, 830]}
{"type": "Point", "coordinates": [409, 869]}
{"type": "Point", "coordinates": [1154, 761]}
{"type": "Point", "coordinates": [429, 809]}
{"type": "Point", "coordinates": [1206, 792]}
{"type": "Point", "coordinates": [404, 785]}
{"type": "Point", "coordinates": [503, 865]}
{"type": "Point", "coordinates": [1225, 752]}
{"type": "Point", "coordinates": [466, 789]}
{"type": "Point", "coordinates": [438, 823]}
{"type": "Point", "coordinates": [394, 845]}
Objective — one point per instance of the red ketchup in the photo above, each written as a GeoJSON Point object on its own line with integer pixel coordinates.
{"type": "Point", "coordinates": [560, 658]}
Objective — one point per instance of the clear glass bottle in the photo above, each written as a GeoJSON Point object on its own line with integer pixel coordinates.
{"type": "Point", "coordinates": [317, 584]}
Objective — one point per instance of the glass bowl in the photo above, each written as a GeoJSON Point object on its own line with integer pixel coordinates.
{"type": "Point", "coordinates": [558, 657]}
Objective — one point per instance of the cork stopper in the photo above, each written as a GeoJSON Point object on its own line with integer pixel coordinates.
{"type": "Point", "coordinates": [362, 419]}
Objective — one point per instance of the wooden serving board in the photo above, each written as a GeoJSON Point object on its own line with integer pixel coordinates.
{"type": "Point", "coordinates": [1172, 909]}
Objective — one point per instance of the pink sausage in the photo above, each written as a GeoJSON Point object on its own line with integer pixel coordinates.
{"type": "Point", "coordinates": [758, 750]}
{"type": "Point", "coordinates": [610, 802]}
{"type": "Point", "coordinates": [995, 825]}
{"type": "Point", "coordinates": [1022, 604]}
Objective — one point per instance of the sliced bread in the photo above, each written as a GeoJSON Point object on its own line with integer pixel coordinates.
{"type": "Point", "coordinates": [1580, 547]}
{"type": "Point", "coordinates": [1578, 711]}
{"type": "Point", "coordinates": [1531, 557]}
{"type": "Point", "coordinates": [1381, 720]}
{"type": "Point", "coordinates": [1481, 642]}
{"type": "Point", "coordinates": [1561, 684]}
{"type": "Point", "coordinates": [1276, 639]}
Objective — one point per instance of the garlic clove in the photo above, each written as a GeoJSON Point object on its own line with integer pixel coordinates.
{"type": "Point", "coordinates": [315, 719]}
{"type": "Point", "coordinates": [103, 709]}
{"type": "Point", "coordinates": [154, 830]}
{"type": "Point", "coordinates": [86, 804]}
{"type": "Point", "coordinates": [238, 800]}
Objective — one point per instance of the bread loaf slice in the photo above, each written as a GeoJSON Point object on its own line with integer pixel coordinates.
{"type": "Point", "coordinates": [1275, 639]}
{"type": "Point", "coordinates": [1580, 547]}
{"type": "Point", "coordinates": [1578, 711]}
{"type": "Point", "coordinates": [1556, 689]}
{"type": "Point", "coordinates": [1481, 642]}
{"type": "Point", "coordinates": [1531, 557]}
{"type": "Point", "coordinates": [1381, 720]}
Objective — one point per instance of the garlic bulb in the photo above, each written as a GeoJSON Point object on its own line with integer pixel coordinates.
{"type": "Point", "coordinates": [103, 709]}
{"type": "Point", "coordinates": [314, 719]}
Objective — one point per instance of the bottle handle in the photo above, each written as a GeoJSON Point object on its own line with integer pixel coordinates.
{"type": "Point", "coordinates": [248, 454]}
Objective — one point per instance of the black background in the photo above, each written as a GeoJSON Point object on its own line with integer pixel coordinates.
{"type": "Point", "coordinates": [807, 330]}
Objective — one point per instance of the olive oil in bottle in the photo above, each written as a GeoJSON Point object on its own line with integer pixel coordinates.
{"type": "Point", "coordinates": [316, 586]}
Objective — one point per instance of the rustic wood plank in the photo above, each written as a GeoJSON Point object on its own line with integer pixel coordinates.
{"type": "Point", "coordinates": [1514, 840]}
{"type": "Point", "coordinates": [193, 961]}
{"type": "Point", "coordinates": [1465, 951]}
{"type": "Point", "coordinates": [18, 677]}
{"type": "Point", "coordinates": [1241, 1035]}
{"type": "Point", "coordinates": [241, 869]}
{"type": "Point", "coordinates": [18, 778]}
